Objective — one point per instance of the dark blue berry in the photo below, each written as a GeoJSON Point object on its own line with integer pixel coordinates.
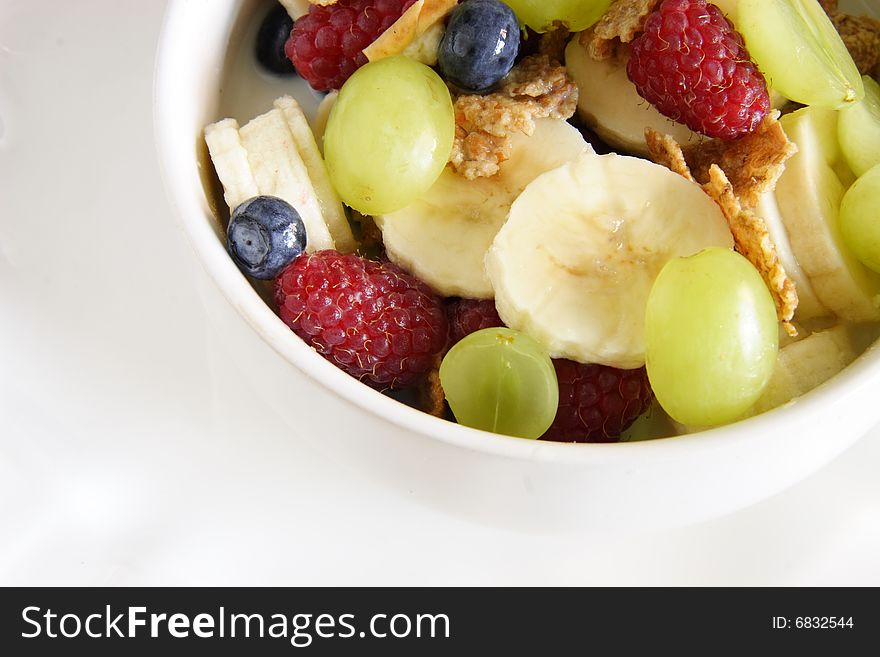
{"type": "Point", "coordinates": [264, 235]}
{"type": "Point", "coordinates": [480, 45]}
{"type": "Point", "coordinates": [274, 32]}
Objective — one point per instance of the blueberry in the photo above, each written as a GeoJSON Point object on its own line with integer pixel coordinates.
{"type": "Point", "coordinates": [265, 234]}
{"type": "Point", "coordinates": [480, 44]}
{"type": "Point", "coordinates": [274, 32]}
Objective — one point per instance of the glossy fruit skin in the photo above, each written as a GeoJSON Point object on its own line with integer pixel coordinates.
{"type": "Point", "coordinates": [389, 135]}
{"type": "Point", "coordinates": [468, 316]}
{"type": "Point", "coordinates": [577, 15]}
{"type": "Point", "coordinates": [859, 130]}
{"type": "Point", "coordinates": [692, 65]}
{"type": "Point", "coordinates": [860, 218]}
{"type": "Point", "coordinates": [370, 319]}
{"type": "Point", "coordinates": [264, 235]}
{"type": "Point", "coordinates": [711, 337]}
{"type": "Point", "coordinates": [326, 45]}
{"type": "Point", "coordinates": [800, 50]}
{"type": "Point", "coordinates": [273, 34]}
{"type": "Point", "coordinates": [500, 380]}
{"type": "Point", "coordinates": [480, 45]}
{"type": "Point", "coordinates": [597, 403]}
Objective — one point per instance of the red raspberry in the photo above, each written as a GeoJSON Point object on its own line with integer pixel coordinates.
{"type": "Point", "coordinates": [467, 316]}
{"type": "Point", "coordinates": [326, 45]}
{"type": "Point", "coordinates": [369, 318]}
{"type": "Point", "coordinates": [692, 65]}
{"type": "Point", "coordinates": [597, 403]}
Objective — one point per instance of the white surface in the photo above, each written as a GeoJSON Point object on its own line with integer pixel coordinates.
{"type": "Point", "coordinates": [522, 484]}
{"type": "Point", "coordinates": [132, 452]}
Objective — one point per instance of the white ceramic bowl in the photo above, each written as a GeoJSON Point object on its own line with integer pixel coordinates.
{"type": "Point", "coordinates": [493, 479]}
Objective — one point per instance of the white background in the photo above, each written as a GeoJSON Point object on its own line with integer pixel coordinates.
{"type": "Point", "coordinates": [131, 452]}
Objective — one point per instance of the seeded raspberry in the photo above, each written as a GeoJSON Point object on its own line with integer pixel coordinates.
{"type": "Point", "coordinates": [326, 45]}
{"type": "Point", "coordinates": [468, 316]}
{"type": "Point", "coordinates": [692, 65]}
{"type": "Point", "coordinates": [597, 403]}
{"type": "Point", "coordinates": [371, 319]}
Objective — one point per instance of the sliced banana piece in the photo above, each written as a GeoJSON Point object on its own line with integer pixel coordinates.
{"type": "Point", "coordinates": [809, 306]}
{"type": "Point", "coordinates": [426, 47]}
{"type": "Point", "coordinates": [574, 263]}
{"type": "Point", "coordinates": [280, 171]}
{"type": "Point", "coordinates": [276, 154]}
{"type": "Point", "coordinates": [230, 160]}
{"type": "Point", "coordinates": [443, 236]}
{"type": "Point", "coordinates": [296, 8]}
{"type": "Point", "coordinates": [806, 364]}
{"type": "Point", "coordinates": [417, 33]}
{"type": "Point", "coordinates": [319, 125]}
{"type": "Point", "coordinates": [610, 105]}
{"type": "Point", "coordinates": [809, 195]}
{"type": "Point", "coordinates": [331, 207]}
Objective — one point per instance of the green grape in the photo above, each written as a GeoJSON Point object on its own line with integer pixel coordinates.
{"type": "Point", "coordinates": [859, 130]}
{"type": "Point", "coordinates": [860, 218]}
{"type": "Point", "coordinates": [501, 380]}
{"type": "Point", "coordinates": [650, 425]}
{"type": "Point", "coordinates": [727, 7]}
{"type": "Point", "coordinates": [576, 14]}
{"type": "Point", "coordinates": [711, 337]}
{"type": "Point", "coordinates": [797, 47]}
{"type": "Point", "coordinates": [389, 135]}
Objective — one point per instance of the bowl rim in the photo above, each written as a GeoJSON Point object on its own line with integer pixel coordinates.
{"type": "Point", "coordinates": [197, 225]}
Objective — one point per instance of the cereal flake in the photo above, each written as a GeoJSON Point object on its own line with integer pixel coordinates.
{"type": "Point", "coordinates": [536, 88]}
{"type": "Point", "coordinates": [622, 22]}
{"type": "Point", "coordinates": [432, 398]}
{"type": "Point", "coordinates": [752, 163]}
{"type": "Point", "coordinates": [667, 152]}
{"type": "Point", "coordinates": [861, 34]}
{"type": "Point", "coordinates": [553, 42]}
{"type": "Point", "coordinates": [749, 231]}
{"type": "Point", "coordinates": [753, 241]}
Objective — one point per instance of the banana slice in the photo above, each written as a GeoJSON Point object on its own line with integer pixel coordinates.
{"type": "Point", "coordinates": [809, 195]}
{"type": "Point", "coordinates": [276, 154]}
{"type": "Point", "coordinates": [443, 236]}
{"type": "Point", "coordinates": [809, 306]}
{"type": "Point", "coordinates": [574, 263]}
{"type": "Point", "coordinates": [426, 47]}
{"type": "Point", "coordinates": [417, 33]}
{"type": "Point", "coordinates": [806, 364]}
{"type": "Point", "coordinates": [322, 115]}
{"type": "Point", "coordinates": [610, 105]}
{"type": "Point", "coordinates": [279, 171]}
{"type": "Point", "coordinates": [230, 160]}
{"type": "Point", "coordinates": [296, 8]}
{"type": "Point", "coordinates": [331, 207]}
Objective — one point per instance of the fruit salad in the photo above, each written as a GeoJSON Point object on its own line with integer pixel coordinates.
{"type": "Point", "coordinates": [572, 220]}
